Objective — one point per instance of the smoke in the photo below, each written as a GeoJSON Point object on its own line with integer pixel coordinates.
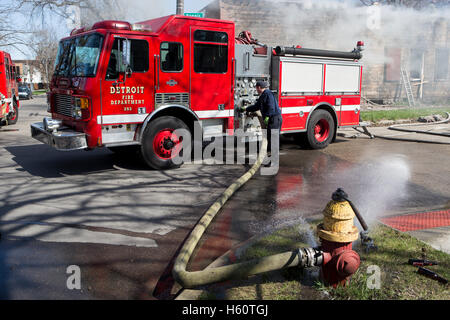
{"type": "Point", "coordinates": [339, 24]}
{"type": "Point", "coordinates": [127, 10]}
{"type": "Point", "coordinates": [376, 186]}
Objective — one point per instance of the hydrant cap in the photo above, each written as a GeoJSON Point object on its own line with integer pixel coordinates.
{"type": "Point", "coordinates": [339, 195]}
{"type": "Point", "coordinates": [338, 224]}
{"type": "Point", "coordinates": [339, 210]}
{"type": "Point", "coordinates": [347, 263]}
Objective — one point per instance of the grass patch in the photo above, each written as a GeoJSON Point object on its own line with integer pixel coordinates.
{"type": "Point", "coordinates": [407, 113]}
{"type": "Point", "coordinates": [39, 92]}
{"type": "Point", "coordinates": [399, 281]}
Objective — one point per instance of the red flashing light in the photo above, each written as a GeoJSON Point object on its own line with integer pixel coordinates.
{"type": "Point", "coordinates": [107, 24]}
{"type": "Point", "coordinates": [112, 24]}
{"type": "Point", "coordinates": [360, 44]}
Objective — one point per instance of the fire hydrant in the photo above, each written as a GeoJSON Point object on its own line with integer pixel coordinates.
{"type": "Point", "coordinates": [336, 234]}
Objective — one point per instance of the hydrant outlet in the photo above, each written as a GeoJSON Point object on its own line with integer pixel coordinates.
{"type": "Point", "coordinates": [347, 263]}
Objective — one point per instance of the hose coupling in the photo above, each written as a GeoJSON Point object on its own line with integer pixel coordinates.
{"type": "Point", "coordinates": [310, 257]}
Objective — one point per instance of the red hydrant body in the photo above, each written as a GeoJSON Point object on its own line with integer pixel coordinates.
{"type": "Point", "coordinates": [337, 233]}
{"type": "Point", "coordinates": [340, 262]}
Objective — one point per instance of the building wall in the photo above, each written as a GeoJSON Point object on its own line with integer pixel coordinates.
{"type": "Point", "coordinates": [29, 74]}
{"type": "Point", "coordinates": [266, 20]}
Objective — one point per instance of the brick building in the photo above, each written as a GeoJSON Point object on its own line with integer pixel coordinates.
{"type": "Point", "coordinates": [417, 39]}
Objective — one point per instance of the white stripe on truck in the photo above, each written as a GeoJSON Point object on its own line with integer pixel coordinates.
{"type": "Point", "coordinates": [122, 118]}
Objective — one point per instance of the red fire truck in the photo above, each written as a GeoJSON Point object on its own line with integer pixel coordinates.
{"type": "Point", "coordinates": [127, 86]}
{"type": "Point", "coordinates": [9, 93]}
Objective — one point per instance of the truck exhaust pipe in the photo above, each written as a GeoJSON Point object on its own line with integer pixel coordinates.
{"type": "Point", "coordinates": [354, 55]}
{"type": "Point", "coordinates": [180, 7]}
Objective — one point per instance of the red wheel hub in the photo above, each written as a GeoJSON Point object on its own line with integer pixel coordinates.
{"type": "Point", "coordinates": [13, 115]}
{"type": "Point", "coordinates": [322, 130]}
{"type": "Point", "coordinates": [166, 144]}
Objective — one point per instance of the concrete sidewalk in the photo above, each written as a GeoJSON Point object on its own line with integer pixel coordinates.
{"type": "Point", "coordinates": [431, 227]}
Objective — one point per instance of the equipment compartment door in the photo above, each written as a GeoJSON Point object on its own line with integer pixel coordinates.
{"type": "Point", "coordinates": [212, 52]}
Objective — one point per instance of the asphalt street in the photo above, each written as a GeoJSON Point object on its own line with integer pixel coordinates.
{"type": "Point", "coordinates": [123, 223]}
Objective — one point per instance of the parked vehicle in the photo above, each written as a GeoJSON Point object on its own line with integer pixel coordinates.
{"type": "Point", "coordinates": [9, 98]}
{"type": "Point", "coordinates": [116, 84]}
{"type": "Point", "coordinates": [25, 92]}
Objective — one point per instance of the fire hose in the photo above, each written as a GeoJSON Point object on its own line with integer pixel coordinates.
{"type": "Point", "coordinates": [398, 127]}
{"type": "Point", "coordinates": [304, 257]}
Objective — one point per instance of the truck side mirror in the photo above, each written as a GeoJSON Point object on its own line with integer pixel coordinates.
{"type": "Point", "coordinates": [125, 56]}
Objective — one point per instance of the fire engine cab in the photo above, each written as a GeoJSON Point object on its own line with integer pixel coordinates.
{"type": "Point", "coordinates": [9, 93]}
{"type": "Point", "coordinates": [130, 86]}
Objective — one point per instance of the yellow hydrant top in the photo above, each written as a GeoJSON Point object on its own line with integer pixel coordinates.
{"type": "Point", "coordinates": [338, 224]}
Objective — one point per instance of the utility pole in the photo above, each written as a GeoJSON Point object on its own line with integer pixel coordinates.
{"type": "Point", "coordinates": [180, 7]}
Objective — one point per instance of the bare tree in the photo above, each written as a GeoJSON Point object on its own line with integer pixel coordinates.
{"type": "Point", "coordinates": [45, 47]}
{"type": "Point", "coordinates": [10, 34]}
{"type": "Point", "coordinates": [90, 10]}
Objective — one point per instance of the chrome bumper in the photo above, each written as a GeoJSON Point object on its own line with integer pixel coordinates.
{"type": "Point", "coordinates": [59, 137]}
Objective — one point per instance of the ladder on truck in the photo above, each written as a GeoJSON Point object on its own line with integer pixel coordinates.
{"type": "Point", "coordinates": [407, 83]}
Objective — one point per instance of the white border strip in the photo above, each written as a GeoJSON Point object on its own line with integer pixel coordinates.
{"type": "Point", "coordinates": [215, 114]}
{"type": "Point", "coordinates": [122, 118]}
{"type": "Point", "coordinates": [350, 107]}
{"type": "Point", "coordinates": [290, 110]}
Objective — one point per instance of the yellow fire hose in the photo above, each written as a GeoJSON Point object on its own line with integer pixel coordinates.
{"type": "Point", "coordinates": [188, 279]}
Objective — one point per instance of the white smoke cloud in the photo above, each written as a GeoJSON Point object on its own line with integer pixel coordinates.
{"type": "Point", "coordinates": [339, 24]}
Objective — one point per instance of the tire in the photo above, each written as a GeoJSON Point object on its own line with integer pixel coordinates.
{"type": "Point", "coordinates": [12, 118]}
{"type": "Point", "coordinates": [320, 130]}
{"type": "Point", "coordinates": [159, 146]}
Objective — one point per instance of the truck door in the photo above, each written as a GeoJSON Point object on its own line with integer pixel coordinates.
{"type": "Point", "coordinates": [127, 95]}
{"type": "Point", "coordinates": [172, 85]}
{"type": "Point", "coordinates": [212, 52]}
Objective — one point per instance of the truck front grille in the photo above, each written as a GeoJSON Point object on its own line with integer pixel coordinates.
{"type": "Point", "coordinates": [63, 103]}
{"type": "Point", "coordinates": [172, 98]}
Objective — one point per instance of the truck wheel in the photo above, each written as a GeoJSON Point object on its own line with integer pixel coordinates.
{"type": "Point", "coordinates": [14, 116]}
{"type": "Point", "coordinates": [160, 145]}
{"type": "Point", "coordinates": [320, 130]}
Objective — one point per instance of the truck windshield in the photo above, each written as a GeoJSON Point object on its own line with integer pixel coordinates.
{"type": "Point", "coordinates": [79, 56]}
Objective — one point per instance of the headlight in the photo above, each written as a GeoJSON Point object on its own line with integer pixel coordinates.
{"type": "Point", "coordinates": [76, 112]}
{"type": "Point", "coordinates": [80, 109]}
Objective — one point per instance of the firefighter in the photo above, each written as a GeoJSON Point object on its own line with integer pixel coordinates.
{"type": "Point", "coordinates": [271, 113]}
